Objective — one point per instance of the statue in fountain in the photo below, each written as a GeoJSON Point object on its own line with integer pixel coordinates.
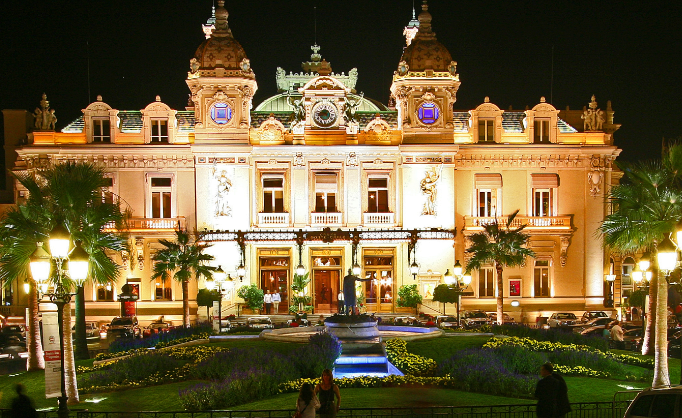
{"type": "Point", "coordinates": [349, 296]}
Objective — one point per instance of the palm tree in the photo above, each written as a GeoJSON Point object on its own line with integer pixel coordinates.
{"type": "Point", "coordinates": [185, 260]}
{"type": "Point", "coordinates": [646, 206]}
{"type": "Point", "coordinates": [69, 193]}
{"type": "Point", "coordinates": [501, 246]}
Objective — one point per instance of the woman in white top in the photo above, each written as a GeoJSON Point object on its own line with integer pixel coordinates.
{"type": "Point", "coordinates": [267, 300]}
{"type": "Point", "coordinates": [307, 402]}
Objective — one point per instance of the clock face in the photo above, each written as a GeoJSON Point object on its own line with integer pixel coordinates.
{"type": "Point", "coordinates": [221, 113]}
{"type": "Point", "coordinates": [428, 113]}
{"type": "Point", "coordinates": [325, 114]}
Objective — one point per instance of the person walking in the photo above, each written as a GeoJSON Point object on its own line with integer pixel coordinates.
{"type": "Point", "coordinates": [617, 335]}
{"type": "Point", "coordinates": [267, 300]}
{"type": "Point", "coordinates": [546, 393]}
{"type": "Point", "coordinates": [340, 301]}
{"type": "Point", "coordinates": [562, 402]}
{"type": "Point", "coordinates": [276, 299]}
{"type": "Point", "coordinates": [22, 406]}
{"type": "Point", "coordinates": [307, 402]}
{"type": "Point", "coordinates": [327, 390]}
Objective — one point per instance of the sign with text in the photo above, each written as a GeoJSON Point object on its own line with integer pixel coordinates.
{"type": "Point", "coordinates": [216, 316]}
{"type": "Point", "coordinates": [51, 348]}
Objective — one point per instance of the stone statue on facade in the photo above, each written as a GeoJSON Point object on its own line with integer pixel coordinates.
{"type": "Point", "coordinates": [428, 186]}
{"type": "Point", "coordinates": [299, 108]}
{"type": "Point", "coordinates": [45, 117]}
{"type": "Point", "coordinates": [352, 108]}
{"type": "Point", "coordinates": [593, 118]}
{"type": "Point", "coordinates": [222, 208]}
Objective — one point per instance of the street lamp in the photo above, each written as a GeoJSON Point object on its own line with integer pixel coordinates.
{"type": "Point", "coordinates": [78, 267]}
{"type": "Point", "coordinates": [667, 256]}
{"type": "Point", "coordinates": [414, 270]}
{"type": "Point", "coordinates": [610, 279]}
{"type": "Point", "coordinates": [457, 282]}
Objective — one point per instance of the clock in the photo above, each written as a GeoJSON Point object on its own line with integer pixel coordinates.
{"type": "Point", "coordinates": [221, 113]}
{"type": "Point", "coordinates": [428, 113]}
{"type": "Point", "coordinates": [325, 114]}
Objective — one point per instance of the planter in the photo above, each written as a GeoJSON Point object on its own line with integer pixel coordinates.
{"type": "Point", "coordinates": [354, 330]}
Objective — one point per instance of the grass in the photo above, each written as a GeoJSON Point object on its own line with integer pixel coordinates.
{"type": "Point", "coordinates": [165, 397]}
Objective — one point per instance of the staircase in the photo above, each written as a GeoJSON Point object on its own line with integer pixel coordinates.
{"type": "Point", "coordinates": [363, 359]}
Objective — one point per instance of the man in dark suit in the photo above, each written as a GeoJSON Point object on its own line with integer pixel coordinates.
{"type": "Point", "coordinates": [562, 402]}
{"type": "Point", "coordinates": [546, 392]}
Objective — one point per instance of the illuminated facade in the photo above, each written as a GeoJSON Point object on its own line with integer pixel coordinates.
{"type": "Point", "coordinates": [318, 155]}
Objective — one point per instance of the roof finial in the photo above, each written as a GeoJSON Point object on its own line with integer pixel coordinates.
{"type": "Point", "coordinates": [221, 27]}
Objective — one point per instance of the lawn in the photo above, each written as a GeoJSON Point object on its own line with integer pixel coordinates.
{"type": "Point", "coordinates": [165, 397]}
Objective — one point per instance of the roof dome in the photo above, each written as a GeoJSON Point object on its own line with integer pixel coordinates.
{"type": "Point", "coordinates": [425, 52]}
{"type": "Point", "coordinates": [221, 50]}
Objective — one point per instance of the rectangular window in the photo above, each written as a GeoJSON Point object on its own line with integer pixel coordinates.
{"type": "Point", "coordinates": [163, 290]}
{"type": "Point", "coordinates": [273, 194]}
{"type": "Point", "coordinates": [377, 195]}
{"type": "Point", "coordinates": [626, 275]}
{"type": "Point", "coordinates": [541, 131]}
{"type": "Point", "coordinates": [485, 203]}
{"type": "Point", "coordinates": [542, 202]}
{"type": "Point", "coordinates": [325, 192]}
{"type": "Point", "coordinates": [108, 190]}
{"type": "Point", "coordinates": [105, 292]}
{"type": "Point", "coordinates": [101, 130]}
{"type": "Point", "coordinates": [159, 132]}
{"type": "Point", "coordinates": [486, 130]}
{"type": "Point", "coordinates": [7, 295]}
{"type": "Point", "coordinates": [161, 197]}
{"type": "Point", "coordinates": [486, 282]}
{"type": "Point", "coordinates": [541, 279]}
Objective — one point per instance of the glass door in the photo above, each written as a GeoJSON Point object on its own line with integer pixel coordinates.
{"type": "Point", "coordinates": [274, 276]}
{"type": "Point", "coordinates": [379, 291]}
{"type": "Point", "coordinates": [326, 282]}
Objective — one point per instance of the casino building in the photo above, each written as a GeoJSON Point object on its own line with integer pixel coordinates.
{"type": "Point", "coordinates": [323, 177]}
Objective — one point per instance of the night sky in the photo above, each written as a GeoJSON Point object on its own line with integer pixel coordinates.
{"type": "Point", "coordinates": [624, 51]}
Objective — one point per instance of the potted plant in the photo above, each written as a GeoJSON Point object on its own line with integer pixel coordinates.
{"type": "Point", "coordinates": [253, 296]}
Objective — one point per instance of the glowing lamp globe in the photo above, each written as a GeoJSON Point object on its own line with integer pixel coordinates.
{"type": "Point", "coordinates": [448, 278]}
{"type": "Point", "coordinates": [79, 264]}
{"type": "Point", "coordinates": [60, 241]}
{"type": "Point", "coordinates": [667, 255]}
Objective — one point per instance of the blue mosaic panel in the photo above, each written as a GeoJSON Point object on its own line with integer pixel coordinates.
{"type": "Point", "coordinates": [221, 113]}
{"type": "Point", "coordinates": [428, 113]}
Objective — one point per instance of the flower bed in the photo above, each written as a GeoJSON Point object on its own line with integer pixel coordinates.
{"type": "Point", "coordinates": [408, 363]}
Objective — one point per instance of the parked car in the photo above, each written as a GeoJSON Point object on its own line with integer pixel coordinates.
{"type": "Point", "coordinates": [508, 320]}
{"type": "Point", "coordinates": [406, 320]}
{"type": "Point", "coordinates": [590, 315]}
{"type": "Point", "coordinates": [632, 339]}
{"type": "Point", "coordinates": [156, 328]}
{"type": "Point", "coordinates": [259, 322]}
{"type": "Point", "coordinates": [446, 322]}
{"type": "Point", "coordinates": [91, 331]}
{"type": "Point", "coordinates": [474, 319]}
{"type": "Point", "coordinates": [596, 322]}
{"type": "Point", "coordinates": [597, 331]}
{"type": "Point", "coordinates": [656, 402]}
{"type": "Point", "coordinates": [12, 330]}
{"type": "Point", "coordinates": [124, 326]}
{"type": "Point", "coordinates": [561, 319]}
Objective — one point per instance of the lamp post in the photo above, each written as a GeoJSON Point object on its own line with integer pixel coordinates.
{"type": "Point", "coordinates": [667, 262]}
{"type": "Point", "coordinates": [453, 281]}
{"type": "Point", "coordinates": [218, 282]}
{"type": "Point", "coordinates": [41, 263]}
{"type": "Point", "coordinates": [610, 279]}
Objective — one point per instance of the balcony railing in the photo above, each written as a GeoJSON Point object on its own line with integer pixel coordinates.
{"type": "Point", "coordinates": [379, 219]}
{"type": "Point", "coordinates": [326, 218]}
{"type": "Point", "coordinates": [273, 219]}
{"type": "Point", "coordinates": [152, 224]}
{"type": "Point", "coordinates": [531, 222]}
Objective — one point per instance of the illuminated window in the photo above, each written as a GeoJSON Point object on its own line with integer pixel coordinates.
{"type": "Point", "coordinates": [486, 282]}
{"type": "Point", "coordinates": [377, 195]}
{"type": "Point", "coordinates": [273, 194]}
{"type": "Point", "coordinates": [486, 130]}
{"type": "Point", "coordinates": [325, 192]}
{"type": "Point", "coordinates": [542, 202]}
{"type": "Point", "coordinates": [105, 292]}
{"type": "Point", "coordinates": [221, 113]}
{"type": "Point", "coordinates": [161, 197]}
{"type": "Point", "coordinates": [544, 194]}
{"type": "Point", "coordinates": [541, 278]}
{"type": "Point", "coordinates": [487, 188]}
{"type": "Point", "coordinates": [428, 113]}
{"type": "Point", "coordinates": [101, 130]}
{"type": "Point", "coordinates": [541, 131]}
{"type": "Point", "coordinates": [485, 203]}
{"type": "Point", "coordinates": [159, 131]}
{"type": "Point", "coordinates": [163, 290]}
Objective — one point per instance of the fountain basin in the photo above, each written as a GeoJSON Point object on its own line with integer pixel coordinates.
{"type": "Point", "coordinates": [353, 330]}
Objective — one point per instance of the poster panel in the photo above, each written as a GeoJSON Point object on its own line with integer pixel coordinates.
{"type": "Point", "coordinates": [216, 316]}
{"type": "Point", "coordinates": [51, 349]}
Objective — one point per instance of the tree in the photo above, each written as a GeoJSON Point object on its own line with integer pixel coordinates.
{"type": "Point", "coordinates": [502, 246]}
{"type": "Point", "coordinates": [184, 259]}
{"type": "Point", "coordinates": [409, 297]}
{"type": "Point", "coordinates": [206, 298]}
{"type": "Point", "coordinates": [71, 194]}
{"type": "Point", "coordinates": [299, 299]}
{"type": "Point", "coordinates": [444, 294]}
{"type": "Point", "coordinates": [252, 295]}
{"type": "Point", "coordinates": [646, 206]}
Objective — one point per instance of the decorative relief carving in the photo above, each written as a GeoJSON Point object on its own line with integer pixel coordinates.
{"type": "Point", "coordinates": [379, 129]}
{"type": "Point", "coordinates": [271, 130]}
{"type": "Point", "coordinates": [298, 160]}
{"type": "Point", "coordinates": [565, 242]}
{"type": "Point", "coordinates": [594, 181]}
{"type": "Point", "coordinates": [325, 161]}
{"type": "Point", "coordinates": [352, 160]}
{"type": "Point", "coordinates": [593, 118]}
{"type": "Point", "coordinates": [428, 187]}
{"type": "Point", "coordinates": [223, 186]}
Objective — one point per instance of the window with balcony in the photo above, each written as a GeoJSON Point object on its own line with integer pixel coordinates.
{"type": "Point", "coordinates": [541, 131]}
{"type": "Point", "coordinates": [486, 130]}
{"type": "Point", "coordinates": [161, 197]}
{"type": "Point", "coordinates": [486, 282]}
{"type": "Point", "coordinates": [163, 289]}
{"type": "Point", "coordinates": [325, 192]}
{"type": "Point", "coordinates": [487, 186]}
{"type": "Point", "coordinates": [273, 194]}
{"type": "Point", "coordinates": [485, 202]}
{"type": "Point", "coordinates": [541, 279]}
{"type": "Point", "coordinates": [101, 130]}
{"type": "Point", "coordinates": [542, 202]}
{"type": "Point", "coordinates": [159, 131]}
{"type": "Point", "coordinates": [377, 195]}
{"type": "Point", "coordinates": [544, 194]}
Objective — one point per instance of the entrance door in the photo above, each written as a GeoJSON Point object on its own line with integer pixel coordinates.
{"type": "Point", "coordinates": [326, 290]}
{"type": "Point", "coordinates": [274, 276]}
{"type": "Point", "coordinates": [378, 291]}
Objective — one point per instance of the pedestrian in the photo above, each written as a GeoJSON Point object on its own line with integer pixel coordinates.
{"type": "Point", "coordinates": [307, 402]}
{"type": "Point", "coordinates": [22, 406]}
{"type": "Point", "coordinates": [546, 393]}
{"type": "Point", "coordinates": [340, 301]}
{"type": "Point", "coordinates": [606, 333]}
{"type": "Point", "coordinates": [563, 404]}
{"type": "Point", "coordinates": [276, 299]}
{"type": "Point", "coordinates": [327, 390]}
{"type": "Point", "coordinates": [617, 335]}
{"type": "Point", "coordinates": [267, 299]}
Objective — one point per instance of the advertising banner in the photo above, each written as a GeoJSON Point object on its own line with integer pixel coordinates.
{"type": "Point", "coordinates": [216, 316]}
{"type": "Point", "coordinates": [51, 348]}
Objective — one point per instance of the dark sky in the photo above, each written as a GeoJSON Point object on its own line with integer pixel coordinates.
{"type": "Point", "coordinates": [624, 51]}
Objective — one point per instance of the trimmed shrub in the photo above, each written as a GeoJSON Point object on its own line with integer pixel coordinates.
{"type": "Point", "coordinates": [320, 353]}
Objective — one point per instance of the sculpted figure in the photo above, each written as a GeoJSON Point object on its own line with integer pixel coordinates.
{"type": "Point", "coordinates": [222, 208]}
{"type": "Point", "coordinates": [600, 119]}
{"type": "Point", "coordinates": [428, 186]}
{"type": "Point", "coordinates": [349, 296]}
{"type": "Point", "coordinates": [352, 108]}
{"type": "Point", "coordinates": [299, 108]}
{"type": "Point", "coordinates": [45, 117]}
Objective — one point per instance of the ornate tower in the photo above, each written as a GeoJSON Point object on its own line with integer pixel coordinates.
{"type": "Point", "coordinates": [425, 85]}
{"type": "Point", "coordinates": [222, 84]}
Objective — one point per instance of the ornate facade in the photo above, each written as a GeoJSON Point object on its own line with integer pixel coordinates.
{"type": "Point", "coordinates": [277, 181]}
